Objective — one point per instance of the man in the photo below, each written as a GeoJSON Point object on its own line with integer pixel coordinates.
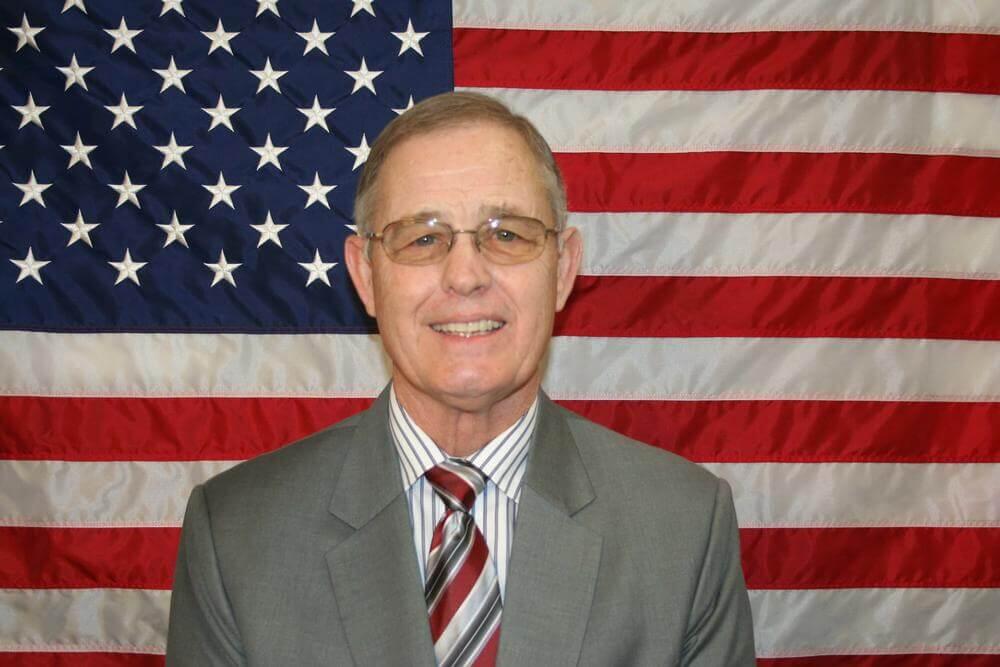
{"type": "Point", "coordinates": [463, 518]}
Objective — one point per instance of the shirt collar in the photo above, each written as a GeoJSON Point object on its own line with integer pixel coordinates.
{"type": "Point", "coordinates": [502, 459]}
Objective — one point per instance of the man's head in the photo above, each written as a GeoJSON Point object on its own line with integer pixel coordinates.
{"type": "Point", "coordinates": [466, 330]}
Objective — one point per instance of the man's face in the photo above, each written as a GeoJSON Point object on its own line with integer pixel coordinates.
{"type": "Point", "coordinates": [462, 175]}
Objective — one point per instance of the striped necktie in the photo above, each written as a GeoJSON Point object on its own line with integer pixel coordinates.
{"type": "Point", "coordinates": [462, 590]}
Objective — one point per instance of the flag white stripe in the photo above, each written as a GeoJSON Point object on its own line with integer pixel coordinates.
{"type": "Point", "coordinates": [972, 16]}
{"type": "Point", "coordinates": [856, 495]}
{"type": "Point", "coordinates": [789, 244]}
{"type": "Point", "coordinates": [96, 619]}
{"type": "Point", "coordinates": [49, 364]}
{"type": "Point", "coordinates": [790, 623]}
{"type": "Point", "coordinates": [786, 622]}
{"type": "Point", "coordinates": [767, 495]}
{"type": "Point", "coordinates": [813, 121]}
{"type": "Point", "coordinates": [99, 494]}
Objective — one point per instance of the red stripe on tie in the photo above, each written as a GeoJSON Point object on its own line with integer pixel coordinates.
{"type": "Point", "coordinates": [741, 182]}
{"type": "Point", "coordinates": [639, 60]}
{"type": "Point", "coordinates": [458, 589]}
{"type": "Point", "coordinates": [782, 306]}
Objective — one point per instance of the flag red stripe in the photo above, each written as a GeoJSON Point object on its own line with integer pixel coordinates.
{"type": "Point", "coordinates": [76, 659]}
{"type": "Point", "coordinates": [88, 557]}
{"type": "Point", "coordinates": [773, 558]}
{"type": "Point", "coordinates": [807, 431]}
{"type": "Point", "coordinates": [551, 59]}
{"type": "Point", "coordinates": [113, 428]}
{"type": "Point", "coordinates": [740, 182]}
{"type": "Point", "coordinates": [782, 306]}
{"type": "Point", "coordinates": [782, 558]}
{"type": "Point", "coordinates": [898, 660]}
{"type": "Point", "coordinates": [161, 429]}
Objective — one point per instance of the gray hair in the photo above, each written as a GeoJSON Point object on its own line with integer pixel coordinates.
{"type": "Point", "coordinates": [450, 110]}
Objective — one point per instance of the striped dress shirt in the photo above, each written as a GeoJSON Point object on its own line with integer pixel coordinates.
{"type": "Point", "coordinates": [503, 460]}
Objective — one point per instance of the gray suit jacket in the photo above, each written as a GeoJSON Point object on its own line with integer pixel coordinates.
{"type": "Point", "coordinates": [623, 555]}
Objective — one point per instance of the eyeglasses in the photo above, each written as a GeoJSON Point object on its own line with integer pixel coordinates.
{"type": "Point", "coordinates": [508, 239]}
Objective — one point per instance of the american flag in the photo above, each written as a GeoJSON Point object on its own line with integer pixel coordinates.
{"type": "Point", "coordinates": [790, 212]}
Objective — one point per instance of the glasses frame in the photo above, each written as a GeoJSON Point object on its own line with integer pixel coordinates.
{"type": "Point", "coordinates": [489, 223]}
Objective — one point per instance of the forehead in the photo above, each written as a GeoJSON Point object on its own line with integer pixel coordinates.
{"type": "Point", "coordinates": [479, 164]}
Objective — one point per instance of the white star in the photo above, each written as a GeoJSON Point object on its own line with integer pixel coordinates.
{"type": "Point", "coordinates": [317, 192]}
{"type": "Point", "coordinates": [26, 35]}
{"type": "Point", "coordinates": [29, 267]}
{"type": "Point", "coordinates": [409, 105]}
{"type": "Point", "coordinates": [123, 36]}
{"type": "Point", "coordinates": [123, 113]}
{"type": "Point", "coordinates": [127, 268]}
{"type": "Point", "coordinates": [74, 73]}
{"type": "Point", "coordinates": [79, 229]}
{"type": "Point", "coordinates": [220, 38]}
{"type": "Point", "coordinates": [220, 114]}
{"type": "Point", "coordinates": [127, 191]}
{"type": "Point", "coordinates": [32, 190]}
{"type": "Point", "coordinates": [410, 39]}
{"type": "Point", "coordinates": [79, 152]}
{"type": "Point", "coordinates": [268, 153]}
{"type": "Point", "coordinates": [268, 231]}
{"type": "Point", "coordinates": [30, 113]}
{"type": "Point", "coordinates": [222, 192]}
{"type": "Point", "coordinates": [362, 4]}
{"type": "Point", "coordinates": [267, 6]}
{"type": "Point", "coordinates": [268, 77]}
{"type": "Point", "coordinates": [172, 76]}
{"type": "Point", "coordinates": [223, 270]}
{"type": "Point", "coordinates": [363, 77]}
{"type": "Point", "coordinates": [175, 231]}
{"type": "Point", "coordinates": [317, 269]}
{"type": "Point", "coordinates": [316, 115]}
{"type": "Point", "coordinates": [174, 5]}
{"type": "Point", "coordinates": [315, 39]}
{"type": "Point", "coordinates": [172, 152]}
{"type": "Point", "coordinates": [73, 3]}
{"type": "Point", "coordinates": [360, 152]}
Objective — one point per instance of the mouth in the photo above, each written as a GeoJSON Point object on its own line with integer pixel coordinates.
{"type": "Point", "coordinates": [468, 329]}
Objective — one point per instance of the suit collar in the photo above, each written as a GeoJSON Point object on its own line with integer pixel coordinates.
{"type": "Point", "coordinates": [555, 558]}
{"type": "Point", "coordinates": [369, 479]}
{"type": "Point", "coordinates": [556, 470]}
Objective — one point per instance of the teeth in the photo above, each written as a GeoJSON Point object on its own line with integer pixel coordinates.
{"type": "Point", "coordinates": [467, 329]}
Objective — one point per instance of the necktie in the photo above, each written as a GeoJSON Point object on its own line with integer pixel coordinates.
{"type": "Point", "coordinates": [462, 590]}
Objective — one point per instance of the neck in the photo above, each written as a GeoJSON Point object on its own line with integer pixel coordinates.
{"type": "Point", "coordinates": [462, 428]}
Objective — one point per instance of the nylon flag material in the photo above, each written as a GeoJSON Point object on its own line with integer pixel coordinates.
{"type": "Point", "coordinates": [792, 276]}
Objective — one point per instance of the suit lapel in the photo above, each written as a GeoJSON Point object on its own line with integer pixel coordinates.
{"type": "Point", "coordinates": [554, 560]}
{"type": "Point", "coordinates": [374, 571]}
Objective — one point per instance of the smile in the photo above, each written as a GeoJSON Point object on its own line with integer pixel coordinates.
{"type": "Point", "coordinates": [468, 329]}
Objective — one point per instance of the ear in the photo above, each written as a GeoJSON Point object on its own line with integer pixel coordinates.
{"type": "Point", "coordinates": [570, 257]}
{"type": "Point", "coordinates": [359, 265]}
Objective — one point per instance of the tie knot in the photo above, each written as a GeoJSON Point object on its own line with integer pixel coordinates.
{"type": "Point", "coordinates": [457, 482]}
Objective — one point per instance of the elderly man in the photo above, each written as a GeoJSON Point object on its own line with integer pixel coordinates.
{"type": "Point", "coordinates": [464, 518]}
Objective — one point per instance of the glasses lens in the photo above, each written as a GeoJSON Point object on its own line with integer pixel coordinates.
{"type": "Point", "coordinates": [416, 241]}
{"type": "Point", "coordinates": [511, 240]}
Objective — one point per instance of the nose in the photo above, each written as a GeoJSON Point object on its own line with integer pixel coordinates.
{"type": "Point", "coordinates": [465, 270]}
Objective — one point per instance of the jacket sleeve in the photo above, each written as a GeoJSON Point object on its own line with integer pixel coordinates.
{"type": "Point", "coordinates": [202, 629]}
{"type": "Point", "coordinates": [720, 628]}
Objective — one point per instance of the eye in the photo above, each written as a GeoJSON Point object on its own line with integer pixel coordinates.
{"type": "Point", "coordinates": [425, 240]}
{"type": "Point", "coordinates": [506, 236]}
